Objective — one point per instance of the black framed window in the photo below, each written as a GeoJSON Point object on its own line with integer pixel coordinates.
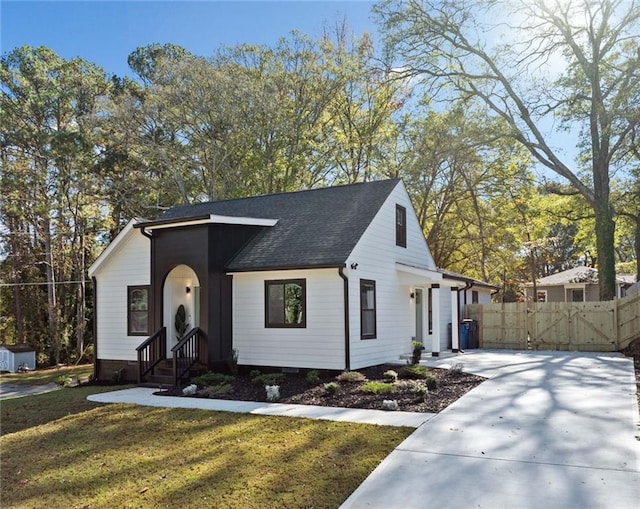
{"type": "Point", "coordinates": [474, 297]}
{"type": "Point", "coordinates": [401, 226]}
{"type": "Point", "coordinates": [367, 309]}
{"type": "Point", "coordinates": [285, 303]}
{"type": "Point", "coordinates": [138, 310]}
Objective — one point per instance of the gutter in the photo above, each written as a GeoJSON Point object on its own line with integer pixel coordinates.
{"type": "Point", "coordinates": [347, 339]}
{"type": "Point", "coordinates": [143, 231]}
{"type": "Point", "coordinates": [95, 328]}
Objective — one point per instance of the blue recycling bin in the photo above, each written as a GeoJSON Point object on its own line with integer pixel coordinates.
{"type": "Point", "coordinates": [464, 334]}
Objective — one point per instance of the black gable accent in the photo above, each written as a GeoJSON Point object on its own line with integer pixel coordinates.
{"type": "Point", "coordinates": [316, 228]}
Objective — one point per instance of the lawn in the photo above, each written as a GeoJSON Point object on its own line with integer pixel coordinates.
{"type": "Point", "coordinates": [73, 453]}
{"type": "Point", "coordinates": [44, 376]}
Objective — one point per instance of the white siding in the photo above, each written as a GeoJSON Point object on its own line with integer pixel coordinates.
{"type": "Point", "coordinates": [376, 255]}
{"type": "Point", "coordinates": [320, 345]}
{"type": "Point", "coordinates": [127, 265]}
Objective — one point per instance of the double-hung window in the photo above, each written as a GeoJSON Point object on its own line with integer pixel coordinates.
{"type": "Point", "coordinates": [138, 310]}
{"type": "Point", "coordinates": [367, 309]}
{"type": "Point", "coordinates": [286, 303]}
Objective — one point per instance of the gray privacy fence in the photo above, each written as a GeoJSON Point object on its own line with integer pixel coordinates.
{"type": "Point", "coordinates": [583, 326]}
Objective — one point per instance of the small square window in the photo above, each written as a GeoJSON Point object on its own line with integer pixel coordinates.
{"type": "Point", "coordinates": [285, 303]}
{"type": "Point", "coordinates": [138, 310]}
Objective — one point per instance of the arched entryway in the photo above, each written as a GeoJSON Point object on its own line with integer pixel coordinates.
{"type": "Point", "coordinates": [181, 287]}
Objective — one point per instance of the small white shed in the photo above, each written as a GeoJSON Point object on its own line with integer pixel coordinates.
{"type": "Point", "coordinates": [13, 356]}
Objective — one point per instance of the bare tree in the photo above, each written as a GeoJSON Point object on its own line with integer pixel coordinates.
{"type": "Point", "coordinates": [549, 67]}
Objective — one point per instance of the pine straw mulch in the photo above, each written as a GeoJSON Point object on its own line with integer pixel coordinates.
{"type": "Point", "coordinates": [296, 389]}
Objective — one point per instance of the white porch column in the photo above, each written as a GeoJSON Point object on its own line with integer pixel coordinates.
{"type": "Point", "coordinates": [435, 310]}
{"type": "Point", "coordinates": [455, 329]}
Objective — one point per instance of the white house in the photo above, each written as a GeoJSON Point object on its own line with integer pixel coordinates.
{"type": "Point", "coordinates": [334, 278]}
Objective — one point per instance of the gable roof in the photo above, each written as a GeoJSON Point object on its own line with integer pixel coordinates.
{"type": "Point", "coordinates": [587, 275]}
{"type": "Point", "coordinates": [112, 248]}
{"type": "Point", "coordinates": [314, 228]}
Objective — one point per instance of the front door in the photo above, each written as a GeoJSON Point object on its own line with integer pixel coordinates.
{"type": "Point", "coordinates": [419, 311]}
{"type": "Point", "coordinates": [181, 288]}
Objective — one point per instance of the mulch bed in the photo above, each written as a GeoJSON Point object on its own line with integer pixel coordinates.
{"type": "Point", "coordinates": [296, 389]}
{"type": "Point", "coordinates": [633, 350]}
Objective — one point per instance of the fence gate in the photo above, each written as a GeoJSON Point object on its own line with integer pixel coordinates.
{"type": "Point", "coordinates": [583, 326]}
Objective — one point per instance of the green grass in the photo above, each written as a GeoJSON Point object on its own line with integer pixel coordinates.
{"type": "Point", "coordinates": [44, 376]}
{"type": "Point", "coordinates": [129, 456]}
{"type": "Point", "coordinates": [22, 413]}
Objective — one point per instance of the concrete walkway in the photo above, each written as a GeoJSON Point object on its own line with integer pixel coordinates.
{"type": "Point", "coordinates": [548, 430]}
{"type": "Point", "coordinates": [145, 396]}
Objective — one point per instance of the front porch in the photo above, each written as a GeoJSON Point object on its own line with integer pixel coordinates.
{"type": "Point", "coordinates": [187, 358]}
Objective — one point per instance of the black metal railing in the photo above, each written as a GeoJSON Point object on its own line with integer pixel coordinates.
{"type": "Point", "coordinates": [190, 350]}
{"type": "Point", "coordinates": [151, 353]}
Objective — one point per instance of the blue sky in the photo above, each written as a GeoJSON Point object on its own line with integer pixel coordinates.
{"type": "Point", "coordinates": [105, 32]}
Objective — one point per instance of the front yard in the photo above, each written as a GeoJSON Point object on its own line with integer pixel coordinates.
{"type": "Point", "coordinates": [58, 450]}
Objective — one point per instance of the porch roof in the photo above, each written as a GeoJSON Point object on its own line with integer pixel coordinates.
{"type": "Point", "coordinates": [419, 276]}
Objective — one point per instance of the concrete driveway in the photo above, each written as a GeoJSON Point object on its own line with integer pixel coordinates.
{"type": "Point", "coordinates": [548, 430]}
{"type": "Point", "coordinates": [10, 391]}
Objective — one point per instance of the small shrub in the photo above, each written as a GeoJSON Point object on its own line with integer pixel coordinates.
{"type": "Point", "coordinates": [190, 390]}
{"type": "Point", "coordinates": [377, 388]}
{"type": "Point", "coordinates": [420, 390]}
{"type": "Point", "coordinates": [457, 368]}
{"type": "Point", "coordinates": [232, 362]}
{"type": "Point", "coordinates": [273, 392]}
{"type": "Point", "coordinates": [331, 387]}
{"type": "Point", "coordinates": [214, 390]}
{"type": "Point", "coordinates": [312, 377]}
{"type": "Point", "coordinates": [431, 382]}
{"type": "Point", "coordinates": [269, 379]}
{"type": "Point", "coordinates": [351, 377]}
{"type": "Point", "coordinates": [210, 379]}
{"type": "Point", "coordinates": [254, 373]}
{"type": "Point", "coordinates": [414, 372]}
{"type": "Point", "coordinates": [416, 354]}
{"type": "Point", "coordinates": [390, 375]}
{"type": "Point", "coordinates": [118, 376]}
{"type": "Point", "coordinates": [63, 380]}
{"type": "Point", "coordinates": [390, 404]}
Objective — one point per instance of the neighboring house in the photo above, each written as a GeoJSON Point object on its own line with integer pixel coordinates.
{"type": "Point", "coordinates": [14, 357]}
{"type": "Point", "coordinates": [633, 288]}
{"type": "Point", "coordinates": [579, 284]}
{"type": "Point", "coordinates": [334, 278]}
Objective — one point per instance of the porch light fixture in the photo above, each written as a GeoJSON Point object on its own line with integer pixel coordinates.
{"type": "Point", "coordinates": [412, 295]}
{"type": "Point", "coordinates": [188, 289]}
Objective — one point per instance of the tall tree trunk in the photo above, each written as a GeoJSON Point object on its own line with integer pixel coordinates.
{"type": "Point", "coordinates": [636, 245]}
{"type": "Point", "coordinates": [52, 303]}
{"type": "Point", "coordinates": [80, 302]}
{"type": "Point", "coordinates": [15, 269]}
{"type": "Point", "coordinates": [605, 229]}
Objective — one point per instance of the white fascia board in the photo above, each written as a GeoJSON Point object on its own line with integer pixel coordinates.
{"type": "Point", "coordinates": [247, 221]}
{"type": "Point", "coordinates": [420, 276]}
{"type": "Point", "coordinates": [216, 219]}
{"type": "Point", "coordinates": [112, 247]}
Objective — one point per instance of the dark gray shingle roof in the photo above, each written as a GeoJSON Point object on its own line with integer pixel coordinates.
{"type": "Point", "coordinates": [316, 228]}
